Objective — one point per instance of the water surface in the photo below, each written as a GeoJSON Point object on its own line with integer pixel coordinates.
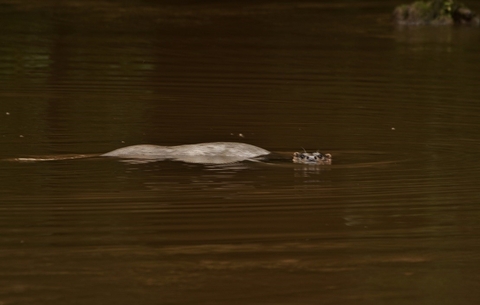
{"type": "Point", "coordinates": [393, 220]}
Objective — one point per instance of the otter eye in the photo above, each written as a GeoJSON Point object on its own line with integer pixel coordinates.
{"type": "Point", "coordinates": [302, 156]}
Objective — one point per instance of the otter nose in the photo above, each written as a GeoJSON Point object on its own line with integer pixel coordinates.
{"type": "Point", "coordinates": [311, 158]}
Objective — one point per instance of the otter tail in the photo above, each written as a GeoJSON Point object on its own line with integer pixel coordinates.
{"type": "Point", "coordinates": [50, 158]}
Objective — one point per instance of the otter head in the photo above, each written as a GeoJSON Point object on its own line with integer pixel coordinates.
{"type": "Point", "coordinates": [312, 158]}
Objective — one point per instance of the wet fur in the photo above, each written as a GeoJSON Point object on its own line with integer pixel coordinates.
{"type": "Point", "coordinates": [204, 153]}
{"type": "Point", "coordinates": [312, 158]}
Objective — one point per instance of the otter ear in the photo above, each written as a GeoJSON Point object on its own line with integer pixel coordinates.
{"type": "Point", "coordinates": [296, 154]}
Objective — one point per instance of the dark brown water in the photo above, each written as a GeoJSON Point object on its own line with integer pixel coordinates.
{"type": "Point", "coordinates": [395, 219]}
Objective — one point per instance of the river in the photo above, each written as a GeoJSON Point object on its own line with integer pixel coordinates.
{"type": "Point", "coordinates": [394, 220]}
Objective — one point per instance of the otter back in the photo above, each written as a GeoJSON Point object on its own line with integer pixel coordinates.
{"type": "Point", "coordinates": [213, 153]}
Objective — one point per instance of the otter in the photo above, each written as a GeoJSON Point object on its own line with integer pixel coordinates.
{"type": "Point", "coordinates": [312, 158]}
{"type": "Point", "coordinates": [211, 153]}
{"type": "Point", "coordinates": [203, 153]}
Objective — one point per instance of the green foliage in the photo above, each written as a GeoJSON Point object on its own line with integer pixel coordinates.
{"type": "Point", "coordinates": [434, 12]}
